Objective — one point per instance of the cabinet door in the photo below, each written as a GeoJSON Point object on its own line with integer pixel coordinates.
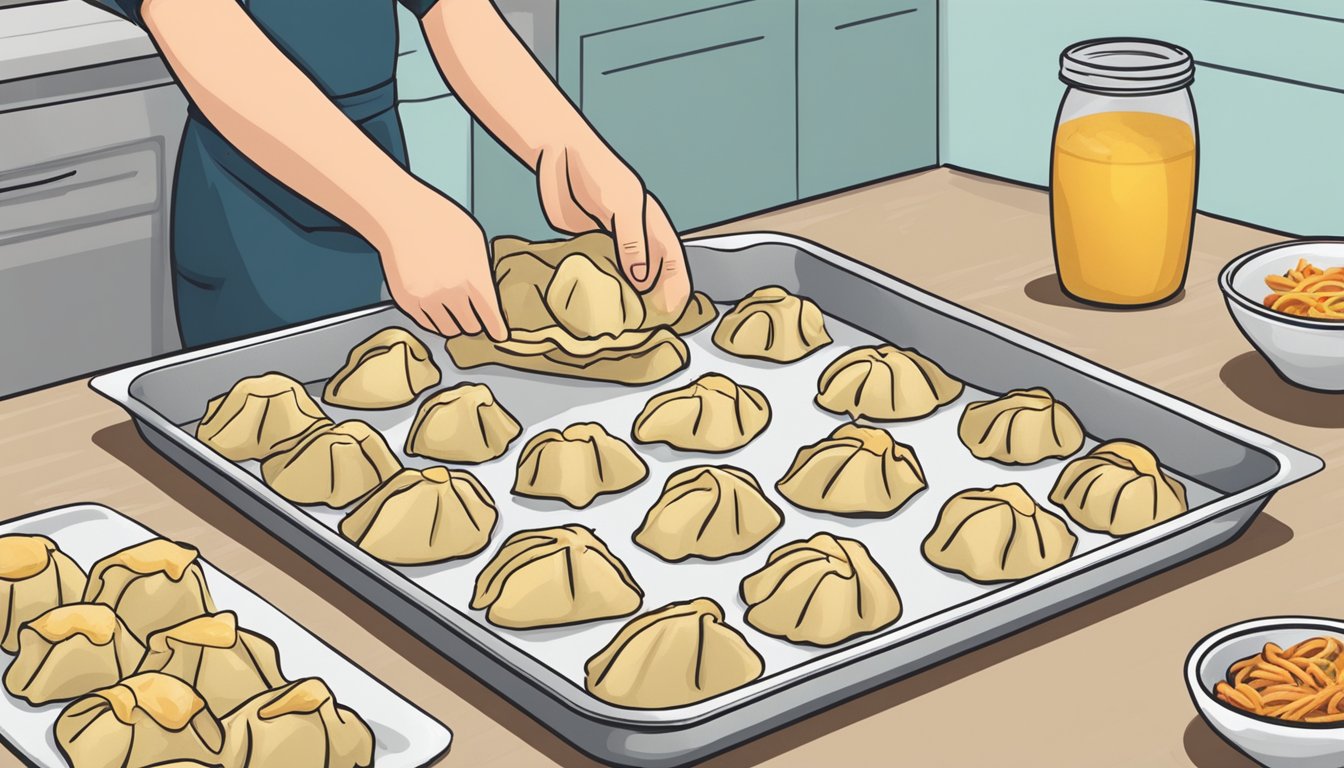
{"type": "Point", "coordinates": [701, 105]}
{"type": "Point", "coordinates": [867, 91]}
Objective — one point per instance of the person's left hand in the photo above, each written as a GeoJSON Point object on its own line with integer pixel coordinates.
{"type": "Point", "coordinates": [585, 186]}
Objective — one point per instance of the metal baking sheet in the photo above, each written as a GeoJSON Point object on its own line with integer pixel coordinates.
{"type": "Point", "coordinates": [404, 736]}
{"type": "Point", "coordinates": [1230, 472]}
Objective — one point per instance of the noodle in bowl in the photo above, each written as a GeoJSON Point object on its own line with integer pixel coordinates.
{"type": "Point", "coordinates": [1307, 351]}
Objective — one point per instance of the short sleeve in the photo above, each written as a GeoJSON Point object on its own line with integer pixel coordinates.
{"type": "Point", "coordinates": [418, 7]}
{"type": "Point", "coordinates": [126, 9]}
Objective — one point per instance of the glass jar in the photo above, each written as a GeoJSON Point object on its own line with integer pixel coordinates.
{"type": "Point", "coordinates": [1123, 171]}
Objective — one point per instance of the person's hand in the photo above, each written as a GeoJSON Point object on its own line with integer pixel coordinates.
{"type": "Point", "coordinates": [438, 269]}
{"type": "Point", "coordinates": [585, 186]}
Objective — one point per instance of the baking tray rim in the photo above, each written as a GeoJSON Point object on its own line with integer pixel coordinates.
{"type": "Point", "coordinates": [1292, 464]}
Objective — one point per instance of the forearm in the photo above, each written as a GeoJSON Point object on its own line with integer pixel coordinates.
{"type": "Point", "coordinates": [269, 109]}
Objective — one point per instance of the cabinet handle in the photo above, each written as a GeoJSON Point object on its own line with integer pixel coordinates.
{"type": "Point", "coordinates": [684, 54]}
{"type": "Point", "coordinates": [871, 19]}
{"type": "Point", "coordinates": [39, 182]}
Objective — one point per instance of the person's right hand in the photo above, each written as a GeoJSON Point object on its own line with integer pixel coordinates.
{"type": "Point", "coordinates": [438, 269]}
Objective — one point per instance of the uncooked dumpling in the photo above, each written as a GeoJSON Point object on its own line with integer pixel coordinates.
{"type": "Point", "coordinates": [709, 512]}
{"type": "Point", "coordinates": [1118, 488]}
{"type": "Point", "coordinates": [332, 465]}
{"type": "Point", "coordinates": [577, 465]}
{"type": "Point", "coordinates": [998, 534]}
{"type": "Point", "coordinates": [772, 324]}
{"type": "Point", "coordinates": [554, 576]}
{"type": "Point", "coordinates": [386, 370]}
{"type": "Point", "coordinates": [69, 651]}
{"type": "Point", "coordinates": [855, 471]}
{"type": "Point", "coordinates": [258, 417]}
{"type": "Point", "coordinates": [423, 516]}
{"type": "Point", "coordinates": [885, 383]}
{"type": "Point", "coordinates": [821, 591]}
{"type": "Point", "coordinates": [226, 665]}
{"type": "Point", "coordinates": [1022, 427]}
{"type": "Point", "coordinates": [462, 424]}
{"type": "Point", "coordinates": [713, 414]}
{"type": "Point", "coordinates": [297, 726]}
{"type": "Point", "coordinates": [633, 358]}
{"type": "Point", "coordinates": [699, 312]}
{"type": "Point", "coordinates": [589, 301]}
{"type": "Point", "coordinates": [677, 655]}
{"type": "Point", "coordinates": [35, 576]}
{"type": "Point", "coordinates": [151, 586]}
{"type": "Point", "coordinates": [143, 721]}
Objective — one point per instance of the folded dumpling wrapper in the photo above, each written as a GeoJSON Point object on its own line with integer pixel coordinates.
{"type": "Point", "coordinates": [577, 465]}
{"type": "Point", "coordinates": [1119, 488]}
{"type": "Point", "coordinates": [709, 512]}
{"type": "Point", "coordinates": [260, 416]}
{"type": "Point", "coordinates": [679, 654]}
{"type": "Point", "coordinates": [552, 577]}
{"type": "Point", "coordinates": [297, 726]}
{"type": "Point", "coordinates": [633, 358]}
{"type": "Point", "coordinates": [772, 324]}
{"type": "Point", "coordinates": [464, 423]}
{"type": "Point", "coordinates": [998, 534]}
{"type": "Point", "coordinates": [821, 591]}
{"type": "Point", "coordinates": [423, 516]}
{"type": "Point", "coordinates": [333, 465]}
{"type": "Point", "coordinates": [152, 586]}
{"type": "Point", "coordinates": [592, 298]}
{"type": "Point", "coordinates": [69, 651]}
{"type": "Point", "coordinates": [885, 383]}
{"type": "Point", "coordinates": [1022, 427]}
{"type": "Point", "coordinates": [145, 720]}
{"type": "Point", "coordinates": [35, 576]}
{"type": "Point", "coordinates": [712, 414]}
{"type": "Point", "coordinates": [386, 370]}
{"type": "Point", "coordinates": [857, 470]}
{"type": "Point", "coordinates": [226, 665]}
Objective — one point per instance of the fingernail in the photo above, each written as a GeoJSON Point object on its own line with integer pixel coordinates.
{"type": "Point", "coordinates": [639, 271]}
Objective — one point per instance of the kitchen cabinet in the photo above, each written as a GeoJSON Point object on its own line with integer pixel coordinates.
{"type": "Point", "coordinates": [867, 91]}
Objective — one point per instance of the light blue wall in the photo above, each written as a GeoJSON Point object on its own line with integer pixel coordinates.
{"type": "Point", "coordinates": [437, 128]}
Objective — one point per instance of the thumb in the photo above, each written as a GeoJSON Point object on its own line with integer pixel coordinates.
{"type": "Point", "coordinates": [632, 247]}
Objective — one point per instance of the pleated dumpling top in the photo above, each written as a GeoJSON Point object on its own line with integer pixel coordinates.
{"type": "Point", "coordinates": [143, 721]}
{"type": "Point", "coordinates": [464, 423]}
{"type": "Point", "coordinates": [260, 416]}
{"type": "Point", "coordinates": [772, 324]}
{"type": "Point", "coordinates": [1119, 488]}
{"type": "Point", "coordinates": [386, 370]}
{"type": "Point", "coordinates": [423, 516]}
{"type": "Point", "coordinates": [709, 512]}
{"type": "Point", "coordinates": [856, 470]}
{"type": "Point", "coordinates": [554, 576]}
{"type": "Point", "coordinates": [297, 726]}
{"type": "Point", "coordinates": [1022, 427]}
{"type": "Point", "coordinates": [69, 651]}
{"type": "Point", "coordinates": [679, 654]}
{"type": "Point", "coordinates": [152, 585]}
{"type": "Point", "coordinates": [35, 576]}
{"type": "Point", "coordinates": [225, 664]}
{"type": "Point", "coordinates": [998, 534]}
{"type": "Point", "coordinates": [712, 414]}
{"type": "Point", "coordinates": [332, 465]}
{"type": "Point", "coordinates": [821, 591]}
{"type": "Point", "coordinates": [577, 465]}
{"type": "Point", "coordinates": [885, 383]}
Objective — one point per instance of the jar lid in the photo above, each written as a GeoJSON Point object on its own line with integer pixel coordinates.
{"type": "Point", "coordinates": [1126, 66]}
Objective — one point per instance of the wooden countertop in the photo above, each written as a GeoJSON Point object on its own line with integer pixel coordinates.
{"type": "Point", "coordinates": [1097, 686]}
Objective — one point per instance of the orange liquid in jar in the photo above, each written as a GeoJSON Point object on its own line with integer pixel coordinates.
{"type": "Point", "coordinates": [1123, 196]}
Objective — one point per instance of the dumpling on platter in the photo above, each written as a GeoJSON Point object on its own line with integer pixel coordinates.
{"type": "Point", "coordinates": [997, 534]}
{"type": "Point", "coordinates": [679, 654]}
{"type": "Point", "coordinates": [332, 465]}
{"type": "Point", "coordinates": [552, 577]}
{"type": "Point", "coordinates": [709, 512]}
{"type": "Point", "coordinates": [821, 591]}
{"type": "Point", "coordinates": [1119, 488]}
{"type": "Point", "coordinates": [631, 358]}
{"type": "Point", "coordinates": [463, 424]}
{"type": "Point", "coordinates": [258, 417]}
{"type": "Point", "coordinates": [35, 576]}
{"type": "Point", "coordinates": [772, 324]}
{"type": "Point", "coordinates": [885, 383]}
{"type": "Point", "coordinates": [145, 720]}
{"type": "Point", "coordinates": [712, 414]}
{"type": "Point", "coordinates": [590, 301]}
{"type": "Point", "coordinates": [423, 516]}
{"type": "Point", "coordinates": [577, 465]}
{"type": "Point", "coordinates": [297, 726]}
{"type": "Point", "coordinates": [226, 665]}
{"type": "Point", "coordinates": [151, 586]}
{"type": "Point", "coordinates": [857, 470]}
{"type": "Point", "coordinates": [1022, 427]}
{"type": "Point", "coordinates": [386, 370]}
{"type": "Point", "coordinates": [69, 651]}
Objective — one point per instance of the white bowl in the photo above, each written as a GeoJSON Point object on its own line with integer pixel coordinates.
{"type": "Point", "coordinates": [1269, 742]}
{"type": "Point", "coordinates": [1306, 352]}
